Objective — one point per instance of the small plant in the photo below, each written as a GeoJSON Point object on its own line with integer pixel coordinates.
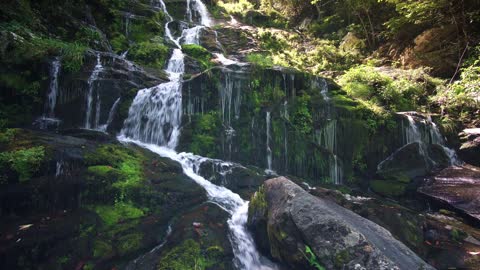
{"type": "Point", "coordinates": [312, 258]}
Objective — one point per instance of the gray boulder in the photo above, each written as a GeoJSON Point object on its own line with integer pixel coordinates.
{"type": "Point", "coordinates": [307, 232]}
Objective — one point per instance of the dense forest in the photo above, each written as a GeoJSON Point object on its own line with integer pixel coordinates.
{"type": "Point", "coordinates": [240, 134]}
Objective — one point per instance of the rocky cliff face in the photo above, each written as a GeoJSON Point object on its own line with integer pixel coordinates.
{"type": "Point", "coordinates": [307, 232]}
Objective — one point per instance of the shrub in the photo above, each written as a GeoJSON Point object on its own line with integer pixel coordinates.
{"type": "Point", "coordinates": [260, 59]}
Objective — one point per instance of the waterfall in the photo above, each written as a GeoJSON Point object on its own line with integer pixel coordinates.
{"type": "Point", "coordinates": [111, 114]}
{"type": "Point", "coordinates": [269, 150]}
{"type": "Point", "coordinates": [226, 93]}
{"type": "Point", "coordinates": [327, 138]}
{"type": "Point", "coordinates": [432, 135]}
{"type": "Point", "coordinates": [128, 16]}
{"type": "Point", "coordinates": [53, 89]}
{"type": "Point", "coordinates": [189, 11]}
{"type": "Point", "coordinates": [191, 35]}
{"type": "Point", "coordinates": [154, 123]}
{"type": "Point", "coordinates": [93, 77]}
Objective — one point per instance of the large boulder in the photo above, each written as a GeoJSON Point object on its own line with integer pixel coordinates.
{"type": "Point", "coordinates": [470, 149]}
{"type": "Point", "coordinates": [457, 188]}
{"type": "Point", "coordinates": [307, 232]}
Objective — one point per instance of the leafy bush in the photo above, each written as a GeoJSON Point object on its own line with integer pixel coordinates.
{"type": "Point", "coordinates": [24, 162]}
{"type": "Point", "coordinates": [260, 60]}
{"type": "Point", "coordinates": [397, 92]}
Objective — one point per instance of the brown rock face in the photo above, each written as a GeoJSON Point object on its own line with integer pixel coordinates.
{"type": "Point", "coordinates": [457, 187]}
{"type": "Point", "coordinates": [306, 232]}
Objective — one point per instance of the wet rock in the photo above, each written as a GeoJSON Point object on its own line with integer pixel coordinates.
{"type": "Point", "coordinates": [116, 80]}
{"type": "Point", "coordinates": [458, 188]}
{"type": "Point", "coordinates": [241, 180]}
{"type": "Point", "coordinates": [470, 149]}
{"type": "Point", "coordinates": [304, 231]}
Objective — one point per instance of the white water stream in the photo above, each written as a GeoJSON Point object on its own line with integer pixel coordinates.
{"type": "Point", "coordinates": [154, 123]}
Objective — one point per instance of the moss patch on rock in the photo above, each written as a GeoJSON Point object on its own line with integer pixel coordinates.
{"type": "Point", "coordinates": [388, 187]}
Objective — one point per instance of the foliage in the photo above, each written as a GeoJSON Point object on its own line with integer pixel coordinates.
{"type": "Point", "coordinates": [198, 53]}
{"type": "Point", "coordinates": [461, 98]}
{"type": "Point", "coordinates": [312, 258]}
{"type": "Point", "coordinates": [24, 162]}
{"type": "Point", "coordinates": [129, 243]}
{"type": "Point", "coordinates": [396, 92]}
{"type": "Point", "coordinates": [260, 60]}
{"type": "Point", "coordinates": [302, 118]}
{"type": "Point", "coordinates": [238, 7]}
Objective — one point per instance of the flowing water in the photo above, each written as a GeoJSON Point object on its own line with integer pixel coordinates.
{"type": "Point", "coordinates": [91, 87]}
{"type": "Point", "coordinates": [269, 150]}
{"type": "Point", "coordinates": [431, 135]}
{"type": "Point", "coordinates": [53, 89]}
{"type": "Point", "coordinates": [154, 122]}
{"type": "Point", "coordinates": [327, 138]}
{"type": "Point", "coordinates": [111, 115]}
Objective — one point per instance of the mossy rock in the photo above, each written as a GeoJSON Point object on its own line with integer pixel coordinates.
{"type": "Point", "coordinates": [388, 187]}
{"type": "Point", "coordinates": [129, 244]}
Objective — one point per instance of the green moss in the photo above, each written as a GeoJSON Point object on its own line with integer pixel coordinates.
{"type": "Point", "coordinates": [187, 256]}
{"type": "Point", "coordinates": [129, 243]}
{"type": "Point", "coordinates": [153, 54]}
{"type": "Point", "coordinates": [102, 249]}
{"type": "Point", "coordinates": [388, 188]}
{"type": "Point", "coordinates": [258, 202]}
{"type": "Point", "coordinates": [24, 162]}
{"type": "Point", "coordinates": [118, 159]}
{"type": "Point", "coordinates": [101, 171]}
{"type": "Point", "coordinates": [199, 53]}
{"type": "Point", "coordinates": [204, 140]}
{"type": "Point", "coordinates": [111, 215]}
{"type": "Point", "coordinates": [341, 258]}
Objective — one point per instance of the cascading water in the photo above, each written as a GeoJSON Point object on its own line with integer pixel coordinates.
{"type": "Point", "coordinates": [91, 87]}
{"type": "Point", "coordinates": [53, 93]}
{"type": "Point", "coordinates": [269, 150]}
{"type": "Point", "coordinates": [111, 114]}
{"type": "Point", "coordinates": [412, 133]}
{"type": "Point", "coordinates": [154, 123]}
{"type": "Point", "coordinates": [327, 138]}
{"type": "Point", "coordinates": [48, 118]}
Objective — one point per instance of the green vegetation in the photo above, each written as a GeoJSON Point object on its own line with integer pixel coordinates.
{"type": "Point", "coordinates": [198, 53]}
{"type": "Point", "coordinates": [153, 54]}
{"type": "Point", "coordinates": [189, 255]}
{"type": "Point", "coordinates": [258, 202]}
{"type": "Point", "coordinates": [260, 60]}
{"type": "Point", "coordinates": [204, 141]}
{"type": "Point", "coordinates": [129, 243]}
{"type": "Point", "coordinates": [124, 162]}
{"type": "Point", "coordinates": [312, 259]}
{"type": "Point", "coordinates": [25, 162]}
{"type": "Point", "coordinates": [398, 92]}
{"type": "Point", "coordinates": [112, 214]}
{"type": "Point", "coordinates": [388, 188]}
